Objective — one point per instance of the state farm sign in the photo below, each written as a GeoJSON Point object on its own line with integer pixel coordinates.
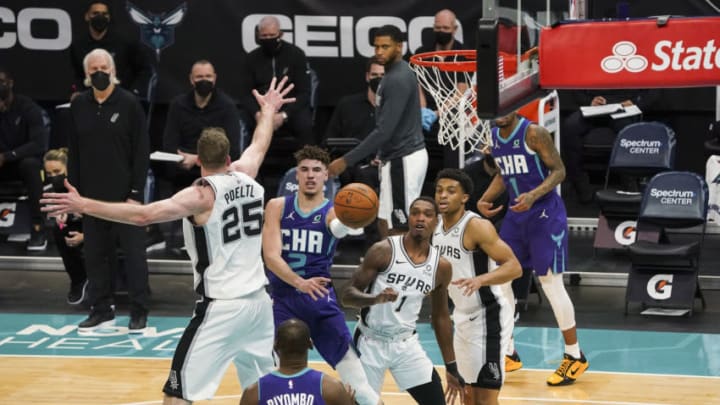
{"type": "Point", "coordinates": [631, 54]}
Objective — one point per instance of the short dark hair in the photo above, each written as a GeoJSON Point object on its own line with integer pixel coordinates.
{"type": "Point", "coordinates": [458, 175]}
{"type": "Point", "coordinates": [391, 31]}
{"type": "Point", "coordinates": [313, 152]}
{"type": "Point", "coordinates": [104, 2]}
{"type": "Point", "coordinates": [213, 148]}
{"type": "Point", "coordinates": [293, 338]}
{"type": "Point", "coordinates": [373, 60]}
{"type": "Point", "coordinates": [428, 199]}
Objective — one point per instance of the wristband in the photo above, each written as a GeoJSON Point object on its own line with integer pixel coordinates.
{"type": "Point", "coordinates": [452, 369]}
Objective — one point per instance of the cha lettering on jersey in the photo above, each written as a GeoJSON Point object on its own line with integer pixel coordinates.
{"type": "Point", "coordinates": [302, 240]}
{"type": "Point", "coordinates": [404, 282]}
{"type": "Point", "coordinates": [512, 164]}
{"type": "Point", "coordinates": [292, 399]}
{"type": "Point", "coordinates": [243, 191]}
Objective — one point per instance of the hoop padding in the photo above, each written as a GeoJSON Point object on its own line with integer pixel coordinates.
{"type": "Point", "coordinates": [449, 77]}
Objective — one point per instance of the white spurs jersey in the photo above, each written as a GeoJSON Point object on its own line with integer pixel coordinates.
{"type": "Point", "coordinates": [466, 264]}
{"type": "Point", "coordinates": [225, 252]}
{"type": "Point", "coordinates": [413, 282]}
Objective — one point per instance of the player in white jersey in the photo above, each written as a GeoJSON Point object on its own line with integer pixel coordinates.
{"type": "Point", "coordinates": [223, 215]}
{"type": "Point", "coordinates": [483, 317]}
{"type": "Point", "coordinates": [389, 286]}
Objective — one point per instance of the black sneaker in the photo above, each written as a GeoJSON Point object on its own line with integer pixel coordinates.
{"type": "Point", "coordinates": [77, 293]}
{"type": "Point", "coordinates": [97, 320]}
{"type": "Point", "coordinates": [138, 322]}
{"type": "Point", "coordinates": [37, 241]}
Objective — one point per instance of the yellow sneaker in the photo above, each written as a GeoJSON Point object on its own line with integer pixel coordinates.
{"type": "Point", "coordinates": [513, 362]}
{"type": "Point", "coordinates": [570, 369]}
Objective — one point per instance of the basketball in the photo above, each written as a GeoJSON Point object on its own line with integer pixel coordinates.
{"type": "Point", "coordinates": [356, 205]}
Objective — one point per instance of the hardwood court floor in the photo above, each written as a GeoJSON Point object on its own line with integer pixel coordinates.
{"type": "Point", "coordinates": [80, 380]}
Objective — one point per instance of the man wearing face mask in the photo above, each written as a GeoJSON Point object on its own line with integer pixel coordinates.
{"type": "Point", "coordinates": [23, 140]}
{"type": "Point", "coordinates": [134, 68]}
{"type": "Point", "coordinates": [277, 58]}
{"type": "Point", "coordinates": [108, 160]}
{"type": "Point", "coordinates": [354, 117]}
{"type": "Point", "coordinates": [445, 28]}
{"type": "Point", "coordinates": [189, 114]}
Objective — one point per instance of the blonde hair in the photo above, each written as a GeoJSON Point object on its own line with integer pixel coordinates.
{"type": "Point", "coordinates": [57, 155]}
{"type": "Point", "coordinates": [213, 148]}
{"type": "Point", "coordinates": [108, 57]}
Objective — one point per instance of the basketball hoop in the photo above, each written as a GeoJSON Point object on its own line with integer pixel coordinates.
{"type": "Point", "coordinates": [449, 76]}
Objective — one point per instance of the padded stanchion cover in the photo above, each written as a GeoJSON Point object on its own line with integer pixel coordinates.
{"type": "Point", "coordinates": [640, 53]}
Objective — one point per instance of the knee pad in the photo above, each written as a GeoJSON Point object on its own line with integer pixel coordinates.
{"type": "Point", "coordinates": [562, 306]}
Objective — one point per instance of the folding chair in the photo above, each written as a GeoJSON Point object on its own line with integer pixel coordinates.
{"type": "Point", "coordinates": [640, 151]}
{"type": "Point", "coordinates": [665, 273]}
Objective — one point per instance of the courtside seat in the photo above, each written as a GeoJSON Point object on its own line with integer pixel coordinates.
{"type": "Point", "coordinates": [640, 151]}
{"type": "Point", "coordinates": [664, 273]}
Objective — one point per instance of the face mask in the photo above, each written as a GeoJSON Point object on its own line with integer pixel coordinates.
{"type": "Point", "coordinates": [204, 87]}
{"type": "Point", "coordinates": [57, 182]}
{"type": "Point", "coordinates": [269, 45]}
{"type": "Point", "coordinates": [100, 80]}
{"type": "Point", "coordinates": [374, 83]}
{"type": "Point", "coordinates": [99, 23]}
{"type": "Point", "coordinates": [4, 91]}
{"type": "Point", "coordinates": [443, 38]}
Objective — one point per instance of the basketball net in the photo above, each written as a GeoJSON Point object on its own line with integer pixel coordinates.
{"type": "Point", "coordinates": [449, 77]}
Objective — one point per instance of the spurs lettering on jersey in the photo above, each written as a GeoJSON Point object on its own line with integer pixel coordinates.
{"type": "Point", "coordinates": [512, 164]}
{"type": "Point", "coordinates": [449, 251]}
{"type": "Point", "coordinates": [403, 282]}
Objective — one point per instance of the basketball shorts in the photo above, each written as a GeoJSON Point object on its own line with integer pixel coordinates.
{"type": "Point", "coordinates": [401, 181]}
{"type": "Point", "coordinates": [324, 317]}
{"type": "Point", "coordinates": [480, 340]}
{"type": "Point", "coordinates": [220, 332]}
{"type": "Point", "coordinates": [404, 356]}
{"type": "Point", "coordinates": [539, 236]}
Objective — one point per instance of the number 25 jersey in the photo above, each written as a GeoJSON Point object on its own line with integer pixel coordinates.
{"type": "Point", "coordinates": [226, 251]}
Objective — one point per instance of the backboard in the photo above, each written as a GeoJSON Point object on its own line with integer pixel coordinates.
{"type": "Point", "coordinates": [507, 59]}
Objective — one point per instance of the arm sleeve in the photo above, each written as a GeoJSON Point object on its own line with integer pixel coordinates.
{"type": "Point", "coordinates": [73, 164]}
{"type": "Point", "coordinates": [232, 129]}
{"type": "Point", "coordinates": [37, 135]}
{"type": "Point", "coordinates": [394, 97]}
{"type": "Point", "coordinates": [171, 135]}
{"type": "Point", "coordinates": [299, 71]}
{"type": "Point", "coordinates": [141, 158]}
{"type": "Point", "coordinates": [247, 84]}
{"type": "Point", "coordinates": [645, 99]}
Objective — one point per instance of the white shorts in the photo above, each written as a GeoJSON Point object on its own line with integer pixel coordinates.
{"type": "Point", "coordinates": [408, 363]}
{"type": "Point", "coordinates": [401, 181]}
{"type": "Point", "coordinates": [480, 346]}
{"type": "Point", "coordinates": [223, 331]}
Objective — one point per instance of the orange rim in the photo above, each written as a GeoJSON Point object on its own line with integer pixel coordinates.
{"type": "Point", "coordinates": [428, 59]}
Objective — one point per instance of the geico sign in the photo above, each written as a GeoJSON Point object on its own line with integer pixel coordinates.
{"type": "Point", "coordinates": [675, 56]}
{"type": "Point", "coordinates": [23, 32]}
{"type": "Point", "coordinates": [337, 36]}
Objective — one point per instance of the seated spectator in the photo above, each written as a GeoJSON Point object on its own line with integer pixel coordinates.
{"type": "Point", "coordinates": [277, 58]}
{"type": "Point", "coordinates": [67, 231]}
{"type": "Point", "coordinates": [205, 106]}
{"type": "Point", "coordinates": [24, 134]}
{"type": "Point", "coordinates": [443, 39]}
{"type": "Point", "coordinates": [575, 127]}
{"type": "Point", "coordinates": [354, 117]}
{"type": "Point", "coordinates": [133, 65]}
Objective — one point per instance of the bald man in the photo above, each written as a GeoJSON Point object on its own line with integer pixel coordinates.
{"type": "Point", "coordinates": [275, 57]}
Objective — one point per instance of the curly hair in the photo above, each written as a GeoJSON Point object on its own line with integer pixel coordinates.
{"type": "Point", "coordinates": [313, 152]}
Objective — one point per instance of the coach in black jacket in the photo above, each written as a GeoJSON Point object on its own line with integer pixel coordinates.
{"type": "Point", "coordinates": [277, 58]}
{"type": "Point", "coordinates": [108, 160]}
